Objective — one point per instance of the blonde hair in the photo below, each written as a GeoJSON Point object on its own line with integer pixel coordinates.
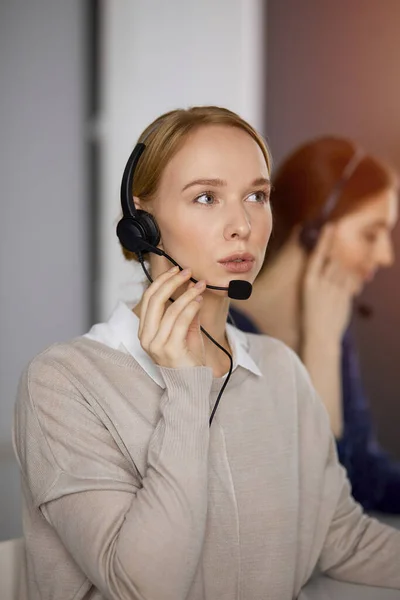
{"type": "Point", "coordinates": [165, 136]}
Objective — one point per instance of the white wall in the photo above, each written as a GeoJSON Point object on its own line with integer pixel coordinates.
{"type": "Point", "coordinates": [43, 224]}
{"type": "Point", "coordinates": [157, 56]}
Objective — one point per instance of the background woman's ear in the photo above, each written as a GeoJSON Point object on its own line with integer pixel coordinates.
{"type": "Point", "coordinates": [294, 236]}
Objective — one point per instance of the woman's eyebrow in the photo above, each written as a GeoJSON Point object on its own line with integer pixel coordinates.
{"type": "Point", "coordinates": [261, 181]}
{"type": "Point", "coordinates": [221, 182]}
{"type": "Point", "coordinates": [378, 224]}
{"type": "Point", "coordinates": [215, 182]}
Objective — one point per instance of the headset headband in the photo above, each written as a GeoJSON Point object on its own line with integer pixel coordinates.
{"type": "Point", "coordinates": [334, 196]}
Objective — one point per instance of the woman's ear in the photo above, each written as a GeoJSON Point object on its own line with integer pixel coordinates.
{"type": "Point", "coordinates": [137, 203]}
{"type": "Point", "coordinates": [294, 236]}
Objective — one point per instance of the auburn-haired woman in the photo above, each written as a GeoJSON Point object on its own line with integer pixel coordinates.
{"type": "Point", "coordinates": [334, 209]}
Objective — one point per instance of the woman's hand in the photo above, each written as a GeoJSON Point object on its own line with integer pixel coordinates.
{"type": "Point", "coordinates": [170, 332]}
{"type": "Point", "coordinates": [327, 295]}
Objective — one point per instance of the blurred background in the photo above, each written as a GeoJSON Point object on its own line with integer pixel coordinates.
{"type": "Point", "coordinates": [81, 79]}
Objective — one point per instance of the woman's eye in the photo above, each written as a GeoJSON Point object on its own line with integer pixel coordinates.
{"type": "Point", "coordinates": [260, 197]}
{"type": "Point", "coordinates": [205, 198]}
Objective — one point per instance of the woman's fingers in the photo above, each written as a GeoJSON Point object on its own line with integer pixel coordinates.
{"type": "Point", "coordinates": [170, 333]}
{"type": "Point", "coordinates": [174, 347]}
{"type": "Point", "coordinates": [335, 274]}
{"type": "Point", "coordinates": [156, 297]}
{"type": "Point", "coordinates": [158, 300]}
{"type": "Point", "coordinates": [341, 278]}
{"type": "Point", "coordinates": [157, 283]}
{"type": "Point", "coordinates": [171, 315]}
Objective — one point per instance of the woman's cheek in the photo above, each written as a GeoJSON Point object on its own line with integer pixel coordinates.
{"type": "Point", "coordinates": [266, 230]}
{"type": "Point", "coordinates": [345, 254]}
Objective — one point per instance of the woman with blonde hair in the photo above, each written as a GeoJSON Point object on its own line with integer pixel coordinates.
{"type": "Point", "coordinates": [141, 479]}
{"type": "Point", "coordinates": [334, 208]}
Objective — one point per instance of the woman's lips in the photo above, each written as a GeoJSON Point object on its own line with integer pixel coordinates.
{"type": "Point", "coordinates": [234, 266]}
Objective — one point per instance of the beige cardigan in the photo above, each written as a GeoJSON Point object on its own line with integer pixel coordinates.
{"type": "Point", "coordinates": [128, 494]}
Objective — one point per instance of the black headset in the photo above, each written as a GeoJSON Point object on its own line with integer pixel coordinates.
{"type": "Point", "coordinates": [138, 232]}
{"type": "Point", "coordinates": [309, 234]}
{"type": "Point", "coordinates": [311, 231]}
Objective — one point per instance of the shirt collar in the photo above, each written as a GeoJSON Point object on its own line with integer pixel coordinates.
{"type": "Point", "coordinates": [122, 329]}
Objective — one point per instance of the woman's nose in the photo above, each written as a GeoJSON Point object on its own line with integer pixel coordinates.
{"type": "Point", "coordinates": [238, 224]}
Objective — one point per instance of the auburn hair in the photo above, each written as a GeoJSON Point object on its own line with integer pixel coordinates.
{"type": "Point", "coordinates": [303, 182]}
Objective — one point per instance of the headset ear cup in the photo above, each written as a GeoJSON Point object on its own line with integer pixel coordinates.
{"type": "Point", "coordinates": [129, 234]}
{"type": "Point", "coordinates": [138, 234]}
{"type": "Point", "coordinates": [150, 228]}
{"type": "Point", "coordinates": [309, 235]}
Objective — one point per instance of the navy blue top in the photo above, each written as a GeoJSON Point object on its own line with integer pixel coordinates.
{"type": "Point", "coordinates": [373, 474]}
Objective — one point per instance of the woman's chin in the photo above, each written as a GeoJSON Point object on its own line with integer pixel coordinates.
{"type": "Point", "coordinates": [357, 287]}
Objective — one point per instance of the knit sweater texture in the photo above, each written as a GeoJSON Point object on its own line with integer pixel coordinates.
{"type": "Point", "coordinates": [129, 494]}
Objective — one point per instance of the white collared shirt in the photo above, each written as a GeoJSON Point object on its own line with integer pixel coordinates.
{"type": "Point", "coordinates": [120, 332]}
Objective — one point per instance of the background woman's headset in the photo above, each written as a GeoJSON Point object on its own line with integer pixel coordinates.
{"type": "Point", "coordinates": [311, 231]}
{"type": "Point", "coordinates": [309, 234]}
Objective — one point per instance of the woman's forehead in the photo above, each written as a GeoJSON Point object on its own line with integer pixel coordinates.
{"type": "Point", "coordinates": [380, 209]}
{"type": "Point", "coordinates": [217, 152]}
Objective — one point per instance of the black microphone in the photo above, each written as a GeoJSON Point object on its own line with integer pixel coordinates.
{"type": "Point", "coordinates": [364, 310]}
{"type": "Point", "coordinates": [237, 289]}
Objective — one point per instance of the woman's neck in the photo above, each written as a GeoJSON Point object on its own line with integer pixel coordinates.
{"type": "Point", "coordinates": [275, 303]}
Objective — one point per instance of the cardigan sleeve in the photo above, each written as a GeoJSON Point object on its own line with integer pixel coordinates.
{"type": "Point", "coordinates": [347, 544]}
{"type": "Point", "coordinates": [132, 539]}
{"type": "Point", "coordinates": [357, 548]}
